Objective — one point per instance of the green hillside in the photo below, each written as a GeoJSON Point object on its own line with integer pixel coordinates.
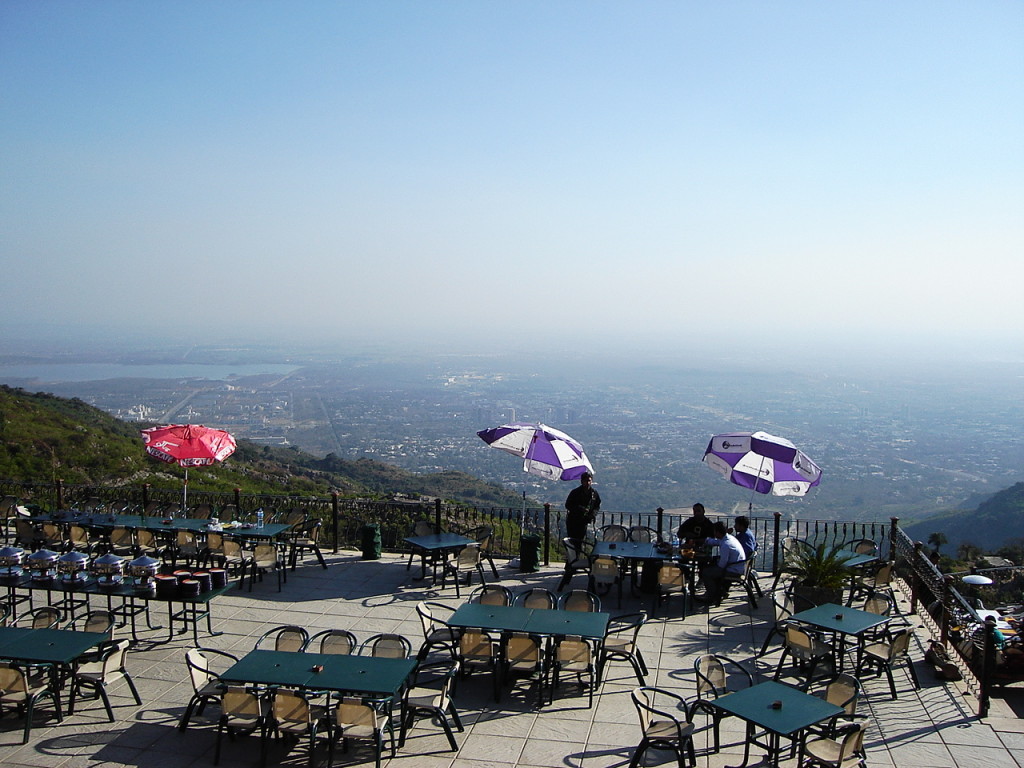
{"type": "Point", "coordinates": [44, 438]}
{"type": "Point", "coordinates": [995, 522]}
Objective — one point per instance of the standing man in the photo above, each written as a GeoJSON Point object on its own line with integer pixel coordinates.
{"type": "Point", "coordinates": [582, 504]}
{"type": "Point", "coordinates": [730, 562]}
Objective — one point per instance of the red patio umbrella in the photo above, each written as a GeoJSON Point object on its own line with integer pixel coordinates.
{"type": "Point", "coordinates": [188, 445]}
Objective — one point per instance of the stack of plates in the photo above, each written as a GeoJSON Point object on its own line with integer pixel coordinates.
{"type": "Point", "coordinates": [166, 586]}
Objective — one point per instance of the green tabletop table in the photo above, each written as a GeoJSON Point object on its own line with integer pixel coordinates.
{"type": "Point", "coordinates": [781, 710]}
{"type": "Point", "coordinates": [435, 546]}
{"type": "Point", "coordinates": [367, 675]}
{"type": "Point", "coordinates": [636, 552]}
{"type": "Point", "coordinates": [860, 560]}
{"type": "Point", "coordinates": [547, 622]}
{"type": "Point", "coordinates": [592, 625]}
{"type": "Point", "coordinates": [503, 618]}
{"type": "Point", "coordinates": [841, 621]}
{"type": "Point", "coordinates": [629, 550]}
{"type": "Point", "coordinates": [46, 646]}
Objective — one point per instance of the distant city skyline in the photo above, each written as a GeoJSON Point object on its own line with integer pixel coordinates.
{"type": "Point", "coordinates": [758, 179]}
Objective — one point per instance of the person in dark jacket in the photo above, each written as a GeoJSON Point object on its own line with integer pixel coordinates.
{"type": "Point", "coordinates": [582, 505]}
{"type": "Point", "coordinates": [694, 530]}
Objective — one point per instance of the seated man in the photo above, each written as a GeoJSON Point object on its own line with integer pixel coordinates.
{"type": "Point", "coordinates": [695, 529]}
{"type": "Point", "coordinates": [745, 537]}
{"type": "Point", "coordinates": [730, 563]}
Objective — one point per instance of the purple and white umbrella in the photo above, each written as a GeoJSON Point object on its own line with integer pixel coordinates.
{"type": "Point", "coordinates": [763, 463]}
{"type": "Point", "coordinates": [545, 451]}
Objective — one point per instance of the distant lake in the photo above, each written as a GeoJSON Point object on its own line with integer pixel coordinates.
{"type": "Point", "coordinates": [54, 373]}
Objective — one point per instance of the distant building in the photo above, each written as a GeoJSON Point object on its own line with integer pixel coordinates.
{"type": "Point", "coordinates": [991, 561]}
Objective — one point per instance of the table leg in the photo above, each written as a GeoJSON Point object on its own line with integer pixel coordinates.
{"type": "Point", "coordinates": [423, 566]}
{"type": "Point", "coordinates": [746, 747]}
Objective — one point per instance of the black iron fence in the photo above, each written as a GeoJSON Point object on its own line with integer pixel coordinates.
{"type": "Point", "coordinates": [345, 518]}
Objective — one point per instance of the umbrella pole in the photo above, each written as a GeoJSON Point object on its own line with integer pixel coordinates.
{"type": "Point", "coordinates": [184, 494]}
{"type": "Point", "coordinates": [750, 502]}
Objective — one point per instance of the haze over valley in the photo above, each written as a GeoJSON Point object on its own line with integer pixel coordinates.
{"type": "Point", "coordinates": [909, 441]}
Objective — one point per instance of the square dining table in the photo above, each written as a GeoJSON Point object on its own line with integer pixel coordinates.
{"type": "Point", "coordinates": [780, 709]}
{"type": "Point", "coordinates": [436, 545]}
{"type": "Point", "coordinates": [642, 552]}
{"type": "Point", "coordinates": [841, 621]}
{"type": "Point", "coordinates": [634, 554]}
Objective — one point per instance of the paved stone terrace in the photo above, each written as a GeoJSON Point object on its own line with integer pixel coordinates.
{"type": "Point", "coordinates": [931, 728]}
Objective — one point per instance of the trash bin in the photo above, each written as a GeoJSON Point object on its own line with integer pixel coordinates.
{"type": "Point", "coordinates": [649, 577]}
{"type": "Point", "coordinates": [371, 541]}
{"type": "Point", "coordinates": [529, 553]}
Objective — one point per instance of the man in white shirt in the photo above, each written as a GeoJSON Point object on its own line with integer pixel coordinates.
{"type": "Point", "coordinates": [731, 562]}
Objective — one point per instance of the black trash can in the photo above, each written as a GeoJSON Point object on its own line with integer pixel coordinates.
{"type": "Point", "coordinates": [529, 553]}
{"type": "Point", "coordinates": [649, 576]}
{"type": "Point", "coordinates": [371, 541]}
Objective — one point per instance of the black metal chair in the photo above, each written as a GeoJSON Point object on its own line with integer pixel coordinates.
{"type": "Point", "coordinates": [574, 655]}
{"type": "Point", "coordinates": [242, 712]}
{"type": "Point", "coordinates": [363, 720]}
{"type": "Point", "coordinates": [883, 655]}
{"type": "Point", "coordinates": [484, 536]}
{"type": "Point", "coordinates": [717, 676]}
{"type": "Point", "coordinates": [537, 597]}
{"type": "Point", "coordinates": [437, 635]}
{"type": "Point", "coordinates": [387, 645]}
{"type": "Point", "coordinates": [99, 674]}
{"type": "Point", "coordinates": [492, 594]}
{"type": "Point", "coordinates": [662, 728]}
{"type": "Point", "coordinates": [24, 686]}
{"type": "Point", "coordinates": [294, 714]}
{"type": "Point", "coordinates": [206, 684]}
{"type": "Point", "coordinates": [620, 644]}
{"type": "Point", "coordinates": [580, 600]}
{"type": "Point", "coordinates": [306, 538]}
{"type": "Point", "coordinates": [465, 561]}
{"type": "Point", "coordinates": [339, 642]}
{"type": "Point", "coordinates": [578, 559]}
{"type": "Point", "coordinates": [613, 533]}
{"type": "Point", "coordinates": [430, 695]}
{"type": "Point", "coordinates": [287, 637]}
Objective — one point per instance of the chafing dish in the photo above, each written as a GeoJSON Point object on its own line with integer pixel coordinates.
{"type": "Point", "coordinates": [11, 559]}
{"type": "Point", "coordinates": [42, 564]}
{"type": "Point", "coordinates": [72, 567]}
{"type": "Point", "coordinates": [109, 569]}
{"type": "Point", "coordinates": [142, 570]}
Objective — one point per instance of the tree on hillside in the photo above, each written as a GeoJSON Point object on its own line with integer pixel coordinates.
{"type": "Point", "coordinates": [968, 552]}
{"type": "Point", "coordinates": [937, 539]}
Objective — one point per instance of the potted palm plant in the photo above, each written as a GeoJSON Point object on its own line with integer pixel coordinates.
{"type": "Point", "coordinates": [820, 571]}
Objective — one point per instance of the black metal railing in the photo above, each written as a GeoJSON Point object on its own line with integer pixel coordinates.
{"type": "Point", "coordinates": [948, 607]}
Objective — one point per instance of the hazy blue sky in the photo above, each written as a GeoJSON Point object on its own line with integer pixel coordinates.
{"type": "Point", "coordinates": [544, 172]}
